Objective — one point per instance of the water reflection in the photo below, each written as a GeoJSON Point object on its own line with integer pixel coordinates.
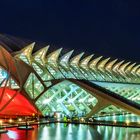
{"type": "Point", "coordinates": [72, 132]}
{"type": "Point", "coordinates": [12, 134]}
{"type": "Point", "coordinates": [118, 133]}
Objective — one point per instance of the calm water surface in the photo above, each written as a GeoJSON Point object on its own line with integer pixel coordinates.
{"type": "Point", "coordinates": [72, 132]}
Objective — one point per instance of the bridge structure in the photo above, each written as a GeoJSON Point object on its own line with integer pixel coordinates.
{"type": "Point", "coordinates": [44, 82]}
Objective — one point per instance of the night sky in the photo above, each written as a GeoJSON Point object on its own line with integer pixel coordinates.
{"type": "Point", "coordinates": [105, 27]}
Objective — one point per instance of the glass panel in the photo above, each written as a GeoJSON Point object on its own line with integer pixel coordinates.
{"type": "Point", "coordinates": [37, 68]}
{"type": "Point", "coordinates": [67, 98]}
{"type": "Point", "coordinates": [77, 73]}
{"type": "Point", "coordinates": [33, 86]}
{"type": "Point", "coordinates": [48, 84]}
{"type": "Point", "coordinates": [66, 72]}
{"type": "Point", "coordinates": [3, 75]}
{"type": "Point", "coordinates": [130, 91]}
{"type": "Point", "coordinates": [55, 72]}
{"type": "Point", "coordinates": [3, 80]}
{"type": "Point", "coordinates": [45, 75]}
{"type": "Point", "coordinates": [37, 59]}
{"type": "Point", "coordinates": [13, 84]}
{"type": "Point", "coordinates": [24, 58]}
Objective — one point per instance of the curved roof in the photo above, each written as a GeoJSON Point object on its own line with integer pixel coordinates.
{"type": "Point", "coordinates": [12, 43]}
{"type": "Point", "coordinates": [44, 78]}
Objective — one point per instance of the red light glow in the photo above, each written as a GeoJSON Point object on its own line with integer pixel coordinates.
{"type": "Point", "coordinates": [14, 103]}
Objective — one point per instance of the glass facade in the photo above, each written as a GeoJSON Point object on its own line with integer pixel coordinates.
{"type": "Point", "coordinates": [47, 82]}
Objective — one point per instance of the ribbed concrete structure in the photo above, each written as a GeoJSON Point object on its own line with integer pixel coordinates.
{"type": "Point", "coordinates": [73, 85]}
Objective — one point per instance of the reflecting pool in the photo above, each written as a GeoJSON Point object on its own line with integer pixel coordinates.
{"type": "Point", "coordinates": [72, 132]}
